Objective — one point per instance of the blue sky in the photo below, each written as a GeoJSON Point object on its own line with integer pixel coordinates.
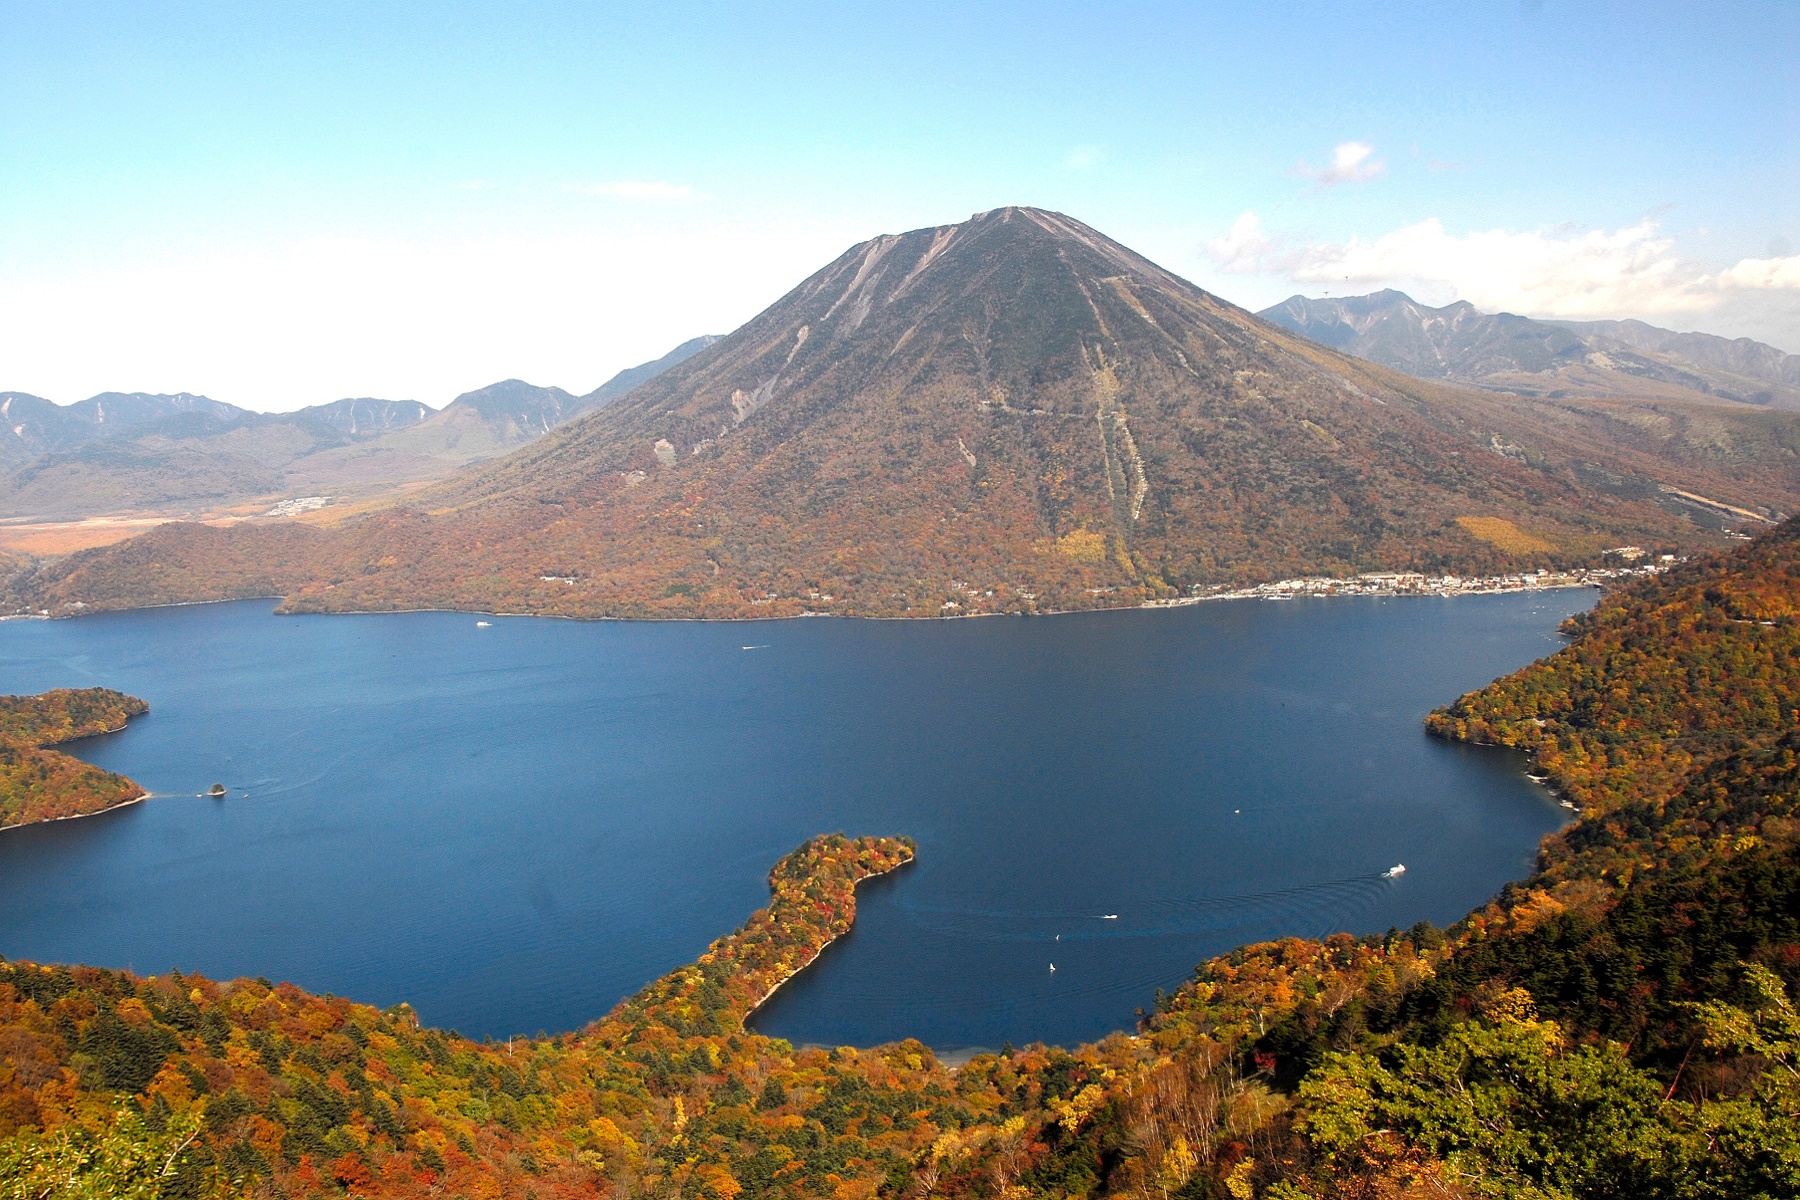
{"type": "Point", "coordinates": [282, 204]}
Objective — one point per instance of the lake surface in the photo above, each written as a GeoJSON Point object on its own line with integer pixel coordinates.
{"type": "Point", "coordinates": [513, 827]}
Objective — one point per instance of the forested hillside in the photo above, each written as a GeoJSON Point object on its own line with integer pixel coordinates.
{"type": "Point", "coordinates": [38, 784]}
{"type": "Point", "coordinates": [1622, 1024]}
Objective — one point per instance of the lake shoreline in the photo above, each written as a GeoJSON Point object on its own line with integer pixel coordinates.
{"type": "Point", "coordinates": [98, 812]}
{"type": "Point", "coordinates": [911, 857]}
{"type": "Point", "coordinates": [587, 773]}
{"type": "Point", "coordinates": [1306, 587]}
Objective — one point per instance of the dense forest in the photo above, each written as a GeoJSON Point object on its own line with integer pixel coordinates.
{"type": "Point", "coordinates": [38, 784]}
{"type": "Point", "coordinates": [1621, 1024]}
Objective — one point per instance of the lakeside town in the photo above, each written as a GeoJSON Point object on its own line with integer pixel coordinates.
{"type": "Point", "coordinates": [1636, 564]}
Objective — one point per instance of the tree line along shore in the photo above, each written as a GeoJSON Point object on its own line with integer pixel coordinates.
{"type": "Point", "coordinates": [38, 783]}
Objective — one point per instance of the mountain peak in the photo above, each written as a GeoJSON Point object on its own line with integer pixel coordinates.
{"type": "Point", "coordinates": [516, 402]}
{"type": "Point", "coordinates": [1012, 413]}
{"type": "Point", "coordinates": [1015, 399]}
{"type": "Point", "coordinates": [1031, 302]}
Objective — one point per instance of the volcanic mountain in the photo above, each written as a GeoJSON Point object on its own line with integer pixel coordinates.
{"type": "Point", "coordinates": [1008, 414]}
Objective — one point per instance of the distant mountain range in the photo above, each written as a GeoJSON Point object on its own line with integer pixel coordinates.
{"type": "Point", "coordinates": [1502, 352]}
{"type": "Point", "coordinates": [1012, 414]}
{"type": "Point", "coordinates": [34, 427]}
{"type": "Point", "coordinates": [135, 451]}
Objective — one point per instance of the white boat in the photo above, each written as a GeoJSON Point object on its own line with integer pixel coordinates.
{"type": "Point", "coordinates": [1109, 916]}
{"type": "Point", "coordinates": [1053, 968]}
{"type": "Point", "coordinates": [1396, 869]}
{"type": "Point", "coordinates": [484, 624]}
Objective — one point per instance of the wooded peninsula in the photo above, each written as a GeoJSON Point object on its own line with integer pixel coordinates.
{"type": "Point", "coordinates": [39, 784]}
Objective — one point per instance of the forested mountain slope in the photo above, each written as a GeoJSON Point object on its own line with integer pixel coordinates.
{"type": "Point", "coordinates": [1011, 414]}
{"type": "Point", "coordinates": [1620, 1025]}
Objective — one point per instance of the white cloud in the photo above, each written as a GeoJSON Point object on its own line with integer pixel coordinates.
{"type": "Point", "coordinates": [1351, 162]}
{"type": "Point", "coordinates": [1764, 273]}
{"type": "Point", "coordinates": [1558, 272]}
{"type": "Point", "coordinates": [1084, 157]}
{"type": "Point", "coordinates": [638, 189]}
{"type": "Point", "coordinates": [1247, 250]}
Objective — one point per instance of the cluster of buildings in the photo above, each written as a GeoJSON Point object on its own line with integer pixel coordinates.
{"type": "Point", "coordinates": [1409, 583]}
{"type": "Point", "coordinates": [301, 504]}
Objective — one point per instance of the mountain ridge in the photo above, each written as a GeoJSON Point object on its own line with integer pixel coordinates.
{"type": "Point", "coordinates": [1505, 352]}
{"type": "Point", "coordinates": [1013, 413]}
{"type": "Point", "coordinates": [1743, 355]}
{"type": "Point", "coordinates": [134, 451]}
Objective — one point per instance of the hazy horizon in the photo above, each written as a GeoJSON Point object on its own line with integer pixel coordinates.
{"type": "Point", "coordinates": [281, 208]}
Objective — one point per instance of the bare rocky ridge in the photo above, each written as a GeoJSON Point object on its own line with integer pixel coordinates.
{"type": "Point", "coordinates": [1009, 414]}
{"type": "Point", "coordinates": [1742, 357]}
{"type": "Point", "coordinates": [1557, 359]}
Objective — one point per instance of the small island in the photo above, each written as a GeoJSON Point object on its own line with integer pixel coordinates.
{"type": "Point", "coordinates": [41, 784]}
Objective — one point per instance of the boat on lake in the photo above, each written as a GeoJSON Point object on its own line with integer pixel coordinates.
{"type": "Point", "coordinates": [216, 791]}
{"type": "Point", "coordinates": [1396, 869]}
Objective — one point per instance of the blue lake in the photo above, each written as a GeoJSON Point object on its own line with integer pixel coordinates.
{"type": "Point", "coordinates": [512, 827]}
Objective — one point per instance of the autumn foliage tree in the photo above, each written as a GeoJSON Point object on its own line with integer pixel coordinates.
{"type": "Point", "coordinates": [39, 784]}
